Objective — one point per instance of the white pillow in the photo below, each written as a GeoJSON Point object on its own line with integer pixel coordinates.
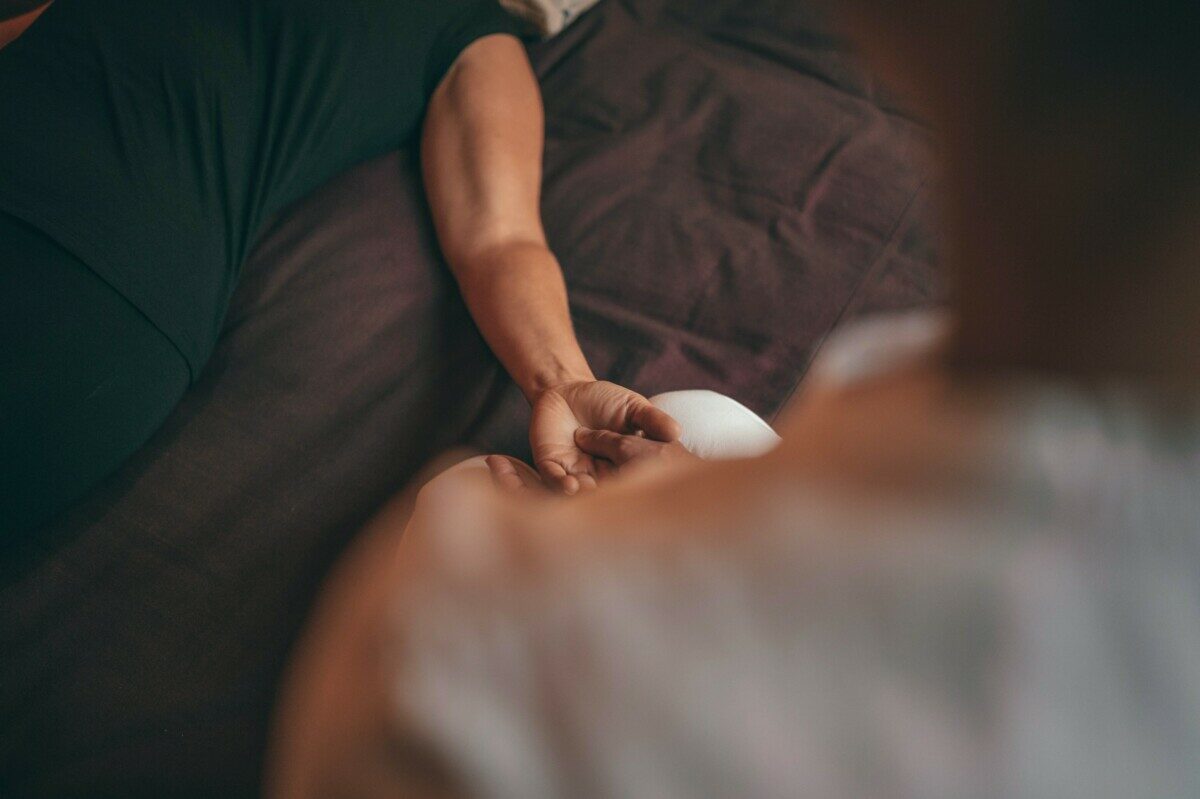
{"type": "Point", "coordinates": [716, 427]}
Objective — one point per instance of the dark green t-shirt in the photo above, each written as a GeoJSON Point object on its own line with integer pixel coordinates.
{"type": "Point", "coordinates": [152, 138]}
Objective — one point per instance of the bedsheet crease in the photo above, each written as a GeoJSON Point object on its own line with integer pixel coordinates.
{"type": "Point", "coordinates": [723, 186]}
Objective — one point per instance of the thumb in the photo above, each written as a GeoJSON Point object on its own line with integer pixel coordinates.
{"type": "Point", "coordinates": [655, 423]}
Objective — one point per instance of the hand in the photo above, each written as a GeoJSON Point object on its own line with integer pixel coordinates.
{"type": "Point", "coordinates": [596, 404]}
{"type": "Point", "coordinates": [625, 450]}
{"type": "Point", "coordinates": [511, 475]}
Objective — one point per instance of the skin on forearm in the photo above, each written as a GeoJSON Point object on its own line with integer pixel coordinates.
{"type": "Point", "coordinates": [481, 156]}
{"type": "Point", "coordinates": [482, 162]}
{"type": "Point", "coordinates": [516, 294]}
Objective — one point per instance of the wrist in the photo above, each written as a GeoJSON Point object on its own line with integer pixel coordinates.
{"type": "Point", "coordinates": [555, 377]}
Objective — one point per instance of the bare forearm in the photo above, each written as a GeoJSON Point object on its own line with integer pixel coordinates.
{"type": "Point", "coordinates": [516, 294]}
{"type": "Point", "coordinates": [481, 156]}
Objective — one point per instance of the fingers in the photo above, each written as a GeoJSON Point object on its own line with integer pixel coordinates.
{"type": "Point", "coordinates": [504, 473]}
{"type": "Point", "coordinates": [604, 470]}
{"type": "Point", "coordinates": [554, 474]}
{"type": "Point", "coordinates": [570, 483]}
{"type": "Point", "coordinates": [655, 423]}
{"type": "Point", "coordinates": [602, 443]}
{"type": "Point", "coordinates": [614, 447]}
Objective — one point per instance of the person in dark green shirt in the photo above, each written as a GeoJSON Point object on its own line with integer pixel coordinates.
{"type": "Point", "coordinates": [145, 142]}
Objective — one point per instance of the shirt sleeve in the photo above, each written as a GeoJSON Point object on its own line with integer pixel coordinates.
{"type": "Point", "coordinates": [571, 655]}
{"type": "Point", "coordinates": [471, 21]}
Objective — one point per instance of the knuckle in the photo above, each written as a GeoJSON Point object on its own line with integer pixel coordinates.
{"type": "Point", "coordinates": [632, 403]}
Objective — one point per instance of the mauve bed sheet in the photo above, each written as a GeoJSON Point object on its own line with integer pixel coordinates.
{"type": "Point", "coordinates": [723, 187]}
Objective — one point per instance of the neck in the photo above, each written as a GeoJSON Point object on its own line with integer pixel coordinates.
{"type": "Point", "coordinates": [10, 29]}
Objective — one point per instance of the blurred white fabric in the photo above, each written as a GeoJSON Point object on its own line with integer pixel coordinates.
{"type": "Point", "coordinates": [547, 17]}
{"type": "Point", "coordinates": [936, 586]}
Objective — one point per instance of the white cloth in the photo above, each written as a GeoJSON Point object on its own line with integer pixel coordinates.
{"type": "Point", "coordinates": [547, 17]}
{"type": "Point", "coordinates": [935, 587]}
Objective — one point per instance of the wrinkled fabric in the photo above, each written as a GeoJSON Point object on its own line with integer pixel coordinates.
{"type": "Point", "coordinates": [723, 186]}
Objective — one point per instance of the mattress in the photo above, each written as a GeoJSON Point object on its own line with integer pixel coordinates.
{"type": "Point", "coordinates": [724, 186]}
